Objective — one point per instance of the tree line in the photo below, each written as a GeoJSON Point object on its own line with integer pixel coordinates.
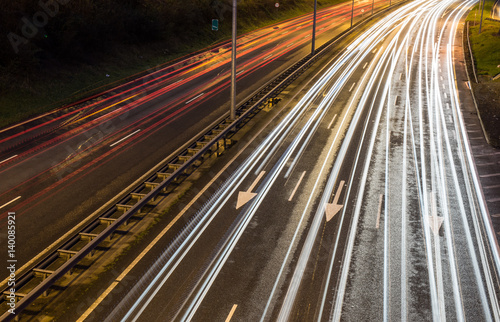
{"type": "Point", "coordinates": [37, 31]}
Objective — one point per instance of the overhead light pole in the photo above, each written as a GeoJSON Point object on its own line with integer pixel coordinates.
{"type": "Point", "coordinates": [233, 66]}
{"type": "Point", "coordinates": [314, 28]}
{"type": "Point", "coordinates": [481, 21]}
{"type": "Point", "coordinates": [352, 13]}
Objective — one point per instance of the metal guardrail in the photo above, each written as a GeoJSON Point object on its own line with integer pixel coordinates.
{"type": "Point", "coordinates": [473, 64]}
{"type": "Point", "coordinates": [195, 152]}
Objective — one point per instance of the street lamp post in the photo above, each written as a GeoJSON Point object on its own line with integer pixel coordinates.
{"type": "Point", "coordinates": [481, 21]}
{"type": "Point", "coordinates": [352, 13]}
{"type": "Point", "coordinates": [233, 66]}
{"type": "Point", "coordinates": [314, 29]}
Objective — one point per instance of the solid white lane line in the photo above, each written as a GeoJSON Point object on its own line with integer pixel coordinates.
{"type": "Point", "coordinates": [352, 86]}
{"type": "Point", "coordinates": [112, 145]}
{"type": "Point", "coordinates": [231, 313]}
{"type": "Point", "coordinates": [12, 157]}
{"type": "Point", "coordinates": [380, 199]}
{"type": "Point", "coordinates": [333, 120]}
{"type": "Point", "coordinates": [195, 98]}
{"type": "Point", "coordinates": [8, 203]}
{"type": "Point", "coordinates": [297, 186]}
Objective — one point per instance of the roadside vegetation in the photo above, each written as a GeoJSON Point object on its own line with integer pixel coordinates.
{"type": "Point", "coordinates": [57, 51]}
{"type": "Point", "coordinates": [486, 51]}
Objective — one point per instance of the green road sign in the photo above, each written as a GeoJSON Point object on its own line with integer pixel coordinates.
{"type": "Point", "coordinates": [215, 24]}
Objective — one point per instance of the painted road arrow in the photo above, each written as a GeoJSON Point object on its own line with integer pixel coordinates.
{"type": "Point", "coordinates": [331, 209]}
{"type": "Point", "coordinates": [246, 196]}
{"type": "Point", "coordinates": [435, 223]}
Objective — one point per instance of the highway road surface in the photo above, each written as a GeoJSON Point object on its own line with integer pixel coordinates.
{"type": "Point", "coordinates": [60, 167]}
{"type": "Point", "coordinates": [360, 203]}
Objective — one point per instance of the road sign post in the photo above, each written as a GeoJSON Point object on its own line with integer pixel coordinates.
{"type": "Point", "coordinates": [352, 13]}
{"type": "Point", "coordinates": [233, 66]}
{"type": "Point", "coordinates": [314, 30]}
{"type": "Point", "coordinates": [481, 20]}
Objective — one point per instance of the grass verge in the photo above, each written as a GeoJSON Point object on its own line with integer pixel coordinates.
{"type": "Point", "coordinates": [485, 48]}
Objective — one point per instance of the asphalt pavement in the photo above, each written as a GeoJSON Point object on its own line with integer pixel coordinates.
{"type": "Point", "coordinates": [59, 169]}
{"type": "Point", "coordinates": [361, 202]}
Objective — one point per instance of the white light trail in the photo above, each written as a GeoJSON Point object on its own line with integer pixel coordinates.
{"type": "Point", "coordinates": [432, 151]}
{"type": "Point", "coordinates": [232, 184]}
